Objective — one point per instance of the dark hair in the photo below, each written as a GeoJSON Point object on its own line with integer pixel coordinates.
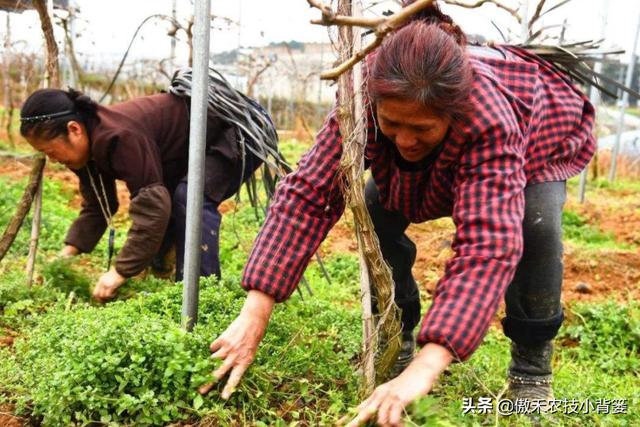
{"type": "Point", "coordinates": [46, 112]}
{"type": "Point", "coordinates": [424, 61]}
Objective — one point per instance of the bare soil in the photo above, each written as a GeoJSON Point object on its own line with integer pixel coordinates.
{"type": "Point", "coordinates": [20, 168]}
{"type": "Point", "coordinates": [588, 275]}
{"type": "Point", "coordinates": [6, 417]}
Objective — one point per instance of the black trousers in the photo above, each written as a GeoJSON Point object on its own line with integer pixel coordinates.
{"type": "Point", "coordinates": [211, 221]}
{"type": "Point", "coordinates": [533, 308]}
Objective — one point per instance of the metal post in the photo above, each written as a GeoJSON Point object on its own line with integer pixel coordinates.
{"type": "Point", "coordinates": [7, 64]}
{"type": "Point", "coordinates": [195, 177]}
{"type": "Point", "coordinates": [623, 106]}
{"type": "Point", "coordinates": [524, 30]}
{"type": "Point", "coordinates": [594, 96]}
{"type": "Point", "coordinates": [174, 15]}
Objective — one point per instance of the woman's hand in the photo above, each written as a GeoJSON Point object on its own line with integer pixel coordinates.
{"type": "Point", "coordinates": [108, 285]}
{"type": "Point", "coordinates": [389, 399]}
{"type": "Point", "coordinates": [69, 251]}
{"type": "Point", "coordinates": [237, 345]}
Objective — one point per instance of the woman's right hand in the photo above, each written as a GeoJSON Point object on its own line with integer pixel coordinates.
{"type": "Point", "coordinates": [69, 251]}
{"type": "Point", "coordinates": [237, 346]}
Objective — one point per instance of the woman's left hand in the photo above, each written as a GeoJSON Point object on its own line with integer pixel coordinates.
{"type": "Point", "coordinates": [108, 285]}
{"type": "Point", "coordinates": [389, 400]}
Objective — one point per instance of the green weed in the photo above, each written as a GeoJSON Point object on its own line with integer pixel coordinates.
{"type": "Point", "coordinates": [607, 334]}
{"type": "Point", "coordinates": [62, 275]}
{"type": "Point", "coordinates": [578, 231]}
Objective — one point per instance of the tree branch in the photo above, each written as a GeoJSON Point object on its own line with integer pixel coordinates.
{"type": "Point", "coordinates": [513, 12]}
{"type": "Point", "coordinates": [385, 26]}
{"type": "Point", "coordinates": [327, 13]}
{"type": "Point", "coordinates": [329, 17]}
{"type": "Point", "coordinates": [348, 20]}
{"type": "Point", "coordinates": [536, 14]}
{"type": "Point", "coordinates": [53, 70]}
{"type": "Point", "coordinates": [334, 73]}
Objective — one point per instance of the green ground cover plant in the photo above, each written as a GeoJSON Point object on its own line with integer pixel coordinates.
{"type": "Point", "coordinates": [130, 363]}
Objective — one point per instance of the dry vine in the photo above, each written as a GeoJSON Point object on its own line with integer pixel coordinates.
{"type": "Point", "coordinates": [513, 12]}
{"type": "Point", "coordinates": [351, 113]}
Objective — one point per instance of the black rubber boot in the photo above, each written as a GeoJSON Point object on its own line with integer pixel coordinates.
{"type": "Point", "coordinates": [530, 372]}
{"type": "Point", "coordinates": [407, 351]}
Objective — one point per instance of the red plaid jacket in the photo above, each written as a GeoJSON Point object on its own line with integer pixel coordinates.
{"type": "Point", "coordinates": [528, 124]}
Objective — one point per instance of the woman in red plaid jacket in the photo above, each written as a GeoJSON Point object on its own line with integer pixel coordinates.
{"type": "Point", "coordinates": [485, 135]}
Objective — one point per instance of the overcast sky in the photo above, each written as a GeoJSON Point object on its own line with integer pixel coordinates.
{"type": "Point", "coordinates": [106, 27]}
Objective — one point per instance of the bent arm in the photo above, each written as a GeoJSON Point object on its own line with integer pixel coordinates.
{"type": "Point", "coordinates": [307, 203]}
{"type": "Point", "coordinates": [150, 211]}
{"type": "Point", "coordinates": [135, 159]}
{"type": "Point", "coordinates": [488, 211]}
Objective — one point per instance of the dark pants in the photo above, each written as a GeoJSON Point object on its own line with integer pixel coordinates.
{"type": "Point", "coordinates": [534, 313]}
{"type": "Point", "coordinates": [209, 248]}
{"type": "Point", "coordinates": [211, 220]}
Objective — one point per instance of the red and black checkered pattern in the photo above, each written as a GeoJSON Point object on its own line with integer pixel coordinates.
{"type": "Point", "coordinates": [528, 124]}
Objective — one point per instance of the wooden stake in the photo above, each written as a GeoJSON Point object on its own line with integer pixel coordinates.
{"type": "Point", "coordinates": [23, 207]}
{"type": "Point", "coordinates": [45, 12]}
{"type": "Point", "coordinates": [35, 233]}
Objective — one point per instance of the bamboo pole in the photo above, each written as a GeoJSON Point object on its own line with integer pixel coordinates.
{"type": "Point", "coordinates": [524, 24]}
{"type": "Point", "coordinates": [8, 90]}
{"type": "Point", "coordinates": [369, 338]}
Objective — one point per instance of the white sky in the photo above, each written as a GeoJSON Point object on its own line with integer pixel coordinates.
{"type": "Point", "coordinates": [106, 27]}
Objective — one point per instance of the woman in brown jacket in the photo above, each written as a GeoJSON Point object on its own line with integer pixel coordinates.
{"type": "Point", "coordinates": [143, 142]}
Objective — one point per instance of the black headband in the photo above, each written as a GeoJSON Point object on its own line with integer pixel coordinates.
{"type": "Point", "coordinates": [45, 117]}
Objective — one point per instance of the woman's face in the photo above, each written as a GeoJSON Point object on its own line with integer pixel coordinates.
{"type": "Point", "coordinates": [414, 129]}
{"type": "Point", "coordinates": [71, 150]}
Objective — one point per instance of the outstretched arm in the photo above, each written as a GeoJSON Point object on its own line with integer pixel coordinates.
{"type": "Point", "coordinates": [307, 203]}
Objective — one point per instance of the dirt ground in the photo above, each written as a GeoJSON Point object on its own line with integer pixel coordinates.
{"type": "Point", "coordinates": [19, 168]}
{"type": "Point", "coordinates": [589, 275]}
{"type": "Point", "coordinates": [7, 419]}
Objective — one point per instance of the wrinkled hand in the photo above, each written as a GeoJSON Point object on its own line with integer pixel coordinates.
{"type": "Point", "coordinates": [238, 344]}
{"type": "Point", "coordinates": [108, 285]}
{"type": "Point", "coordinates": [390, 399]}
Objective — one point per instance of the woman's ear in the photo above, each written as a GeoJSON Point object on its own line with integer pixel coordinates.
{"type": "Point", "coordinates": [74, 128]}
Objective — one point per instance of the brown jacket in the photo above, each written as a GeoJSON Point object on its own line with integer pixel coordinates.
{"type": "Point", "coordinates": [145, 143]}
